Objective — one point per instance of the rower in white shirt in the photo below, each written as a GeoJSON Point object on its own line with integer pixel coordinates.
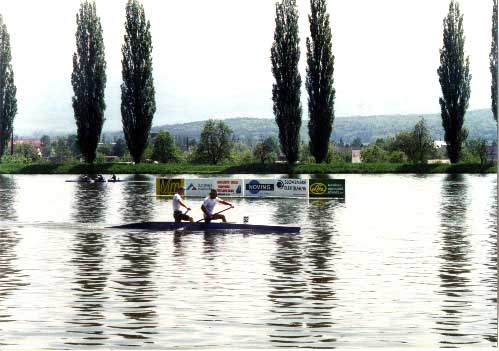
{"type": "Point", "coordinates": [208, 207]}
{"type": "Point", "coordinates": [177, 202]}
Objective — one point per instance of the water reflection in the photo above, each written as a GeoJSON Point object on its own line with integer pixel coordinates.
{"type": "Point", "coordinates": [491, 280]}
{"type": "Point", "coordinates": [91, 278]}
{"type": "Point", "coordinates": [8, 190]}
{"type": "Point", "coordinates": [138, 195]}
{"type": "Point", "coordinates": [11, 279]}
{"type": "Point", "coordinates": [455, 261]}
{"type": "Point", "coordinates": [321, 250]}
{"type": "Point", "coordinates": [303, 283]}
{"type": "Point", "coordinates": [137, 288]}
{"type": "Point", "coordinates": [90, 202]}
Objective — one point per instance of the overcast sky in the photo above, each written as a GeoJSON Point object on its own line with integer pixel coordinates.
{"type": "Point", "coordinates": [211, 58]}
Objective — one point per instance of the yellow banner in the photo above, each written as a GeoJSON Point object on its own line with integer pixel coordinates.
{"type": "Point", "coordinates": [167, 186]}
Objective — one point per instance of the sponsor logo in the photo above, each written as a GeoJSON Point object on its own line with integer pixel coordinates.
{"type": "Point", "coordinates": [254, 187]}
{"type": "Point", "coordinates": [165, 186]}
{"type": "Point", "coordinates": [192, 187]}
{"type": "Point", "coordinates": [318, 188]}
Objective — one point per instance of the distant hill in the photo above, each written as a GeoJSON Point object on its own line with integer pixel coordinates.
{"type": "Point", "coordinates": [368, 128]}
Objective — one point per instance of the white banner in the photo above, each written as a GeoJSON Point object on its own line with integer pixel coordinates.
{"type": "Point", "coordinates": [291, 187]}
{"type": "Point", "coordinates": [224, 186]}
{"type": "Point", "coordinates": [261, 187]}
{"type": "Point", "coordinates": [229, 187]}
{"type": "Point", "coordinates": [199, 187]}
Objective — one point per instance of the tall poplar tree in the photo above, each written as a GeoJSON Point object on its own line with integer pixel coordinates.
{"type": "Point", "coordinates": [493, 61]}
{"type": "Point", "coordinates": [137, 91]}
{"type": "Point", "coordinates": [455, 80]}
{"type": "Point", "coordinates": [89, 80]}
{"type": "Point", "coordinates": [319, 82]}
{"type": "Point", "coordinates": [8, 101]}
{"type": "Point", "coordinates": [285, 54]}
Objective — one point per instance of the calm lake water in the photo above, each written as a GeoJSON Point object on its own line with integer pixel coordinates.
{"type": "Point", "coordinates": [403, 261]}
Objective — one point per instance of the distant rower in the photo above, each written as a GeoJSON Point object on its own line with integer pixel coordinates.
{"type": "Point", "coordinates": [177, 202]}
{"type": "Point", "coordinates": [209, 205]}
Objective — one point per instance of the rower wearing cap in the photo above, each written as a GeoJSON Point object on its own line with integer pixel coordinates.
{"type": "Point", "coordinates": [209, 204]}
{"type": "Point", "coordinates": [177, 202]}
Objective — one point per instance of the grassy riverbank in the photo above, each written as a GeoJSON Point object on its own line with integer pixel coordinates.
{"type": "Point", "coordinates": [278, 168]}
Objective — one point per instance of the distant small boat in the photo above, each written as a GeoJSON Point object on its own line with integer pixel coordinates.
{"type": "Point", "coordinates": [202, 226]}
{"type": "Point", "coordinates": [116, 180]}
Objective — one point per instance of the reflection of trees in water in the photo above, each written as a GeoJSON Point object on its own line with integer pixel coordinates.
{"type": "Point", "coordinates": [288, 211]}
{"type": "Point", "coordinates": [137, 287]}
{"type": "Point", "coordinates": [8, 190]}
{"type": "Point", "coordinates": [90, 202]}
{"type": "Point", "coordinates": [138, 200]}
{"type": "Point", "coordinates": [491, 280]}
{"type": "Point", "coordinates": [88, 288]}
{"type": "Point", "coordinates": [302, 287]}
{"type": "Point", "coordinates": [455, 262]}
{"type": "Point", "coordinates": [11, 278]}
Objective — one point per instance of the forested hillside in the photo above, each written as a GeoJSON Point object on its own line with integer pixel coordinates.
{"type": "Point", "coordinates": [369, 128]}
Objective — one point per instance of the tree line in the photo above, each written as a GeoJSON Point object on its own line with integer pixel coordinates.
{"type": "Point", "coordinates": [138, 94]}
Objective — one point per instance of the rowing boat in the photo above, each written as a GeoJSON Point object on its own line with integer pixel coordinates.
{"type": "Point", "coordinates": [201, 226]}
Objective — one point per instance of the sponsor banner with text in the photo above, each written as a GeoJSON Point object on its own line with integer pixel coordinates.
{"type": "Point", "coordinates": [262, 187]}
{"type": "Point", "coordinates": [167, 186]}
{"type": "Point", "coordinates": [201, 187]}
{"type": "Point", "coordinates": [327, 188]}
{"type": "Point", "coordinates": [259, 187]}
{"type": "Point", "coordinates": [291, 187]}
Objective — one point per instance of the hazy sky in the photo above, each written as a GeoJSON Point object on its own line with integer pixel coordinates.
{"type": "Point", "coordinates": [211, 58]}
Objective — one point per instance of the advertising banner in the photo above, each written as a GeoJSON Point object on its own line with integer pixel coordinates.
{"type": "Point", "coordinates": [327, 188]}
{"type": "Point", "coordinates": [262, 187]}
{"type": "Point", "coordinates": [199, 187]}
{"type": "Point", "coordinates": [291, 187]}
{"type": "Point", "coordinates": [167, 186]}
{"type": "Point", "coordinates": [224, 186]}
{"type": "Point", "coordinates": [259, 187]}
{"type": "Point", "coordinates": [229, 187]}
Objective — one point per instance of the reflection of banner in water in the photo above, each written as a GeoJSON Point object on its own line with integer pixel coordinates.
{"type": "Point", "coordinates": [327, 188]}
{"type": "Point", "coordinates": [224, 186]}
{"type": "Point", "coordinates": [167, 186]}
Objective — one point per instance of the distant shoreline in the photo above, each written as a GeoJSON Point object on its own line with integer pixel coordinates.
{"type": "Point", "coordinates": [275, 168]}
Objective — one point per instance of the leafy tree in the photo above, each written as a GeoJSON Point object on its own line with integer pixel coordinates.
{"type": "Point", "coordinates": [89, 80]}
{"type": "Point", "coordinates": [319, 82]}
{"type": "Point", "coordinates": [478, 148]}
{"type": "Point", "coordinates": [404, 142]}
{"type": "Point", "coordinates": [285, 54]}
{"type": "Point", "coordinates": [357, 142]}
{"type": "Point", "coordinates": [8, 101]}
{"type": "Point", "coordinates": [241, 153]}
{"type": "Point", "coordinates": [373, 154]}
{"type": "Point", "coordinates": [422, 142]}
{"type": "Point", "coordinates": [266, 150]}
{"type": "Point", "coordinates": [119, 148]}
{"type": "Point", "coordinates": [493, 61]}
{"type": "Point", "coordinates": [45, 144]}
{"type": "Point", "coordinates": [72, 142]}
{"type": "Point", "coordinates": [62, 151]}
{"type": "Point", "coordinates": [455, 80]}
{"type": "Point", "coordinates": [28, 151]}
{"type": "Point", "coordinates": [215, 143]}
{"type": "Point", "coordinates": [138, 103]}
{"type": "Point", "coordinates": [164, 149]}
{"type": "Point", "coordinates": [397, 156]}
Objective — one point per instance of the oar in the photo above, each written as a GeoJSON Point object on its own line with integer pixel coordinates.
{"type": "Point", "coordinates": [228, 208]}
